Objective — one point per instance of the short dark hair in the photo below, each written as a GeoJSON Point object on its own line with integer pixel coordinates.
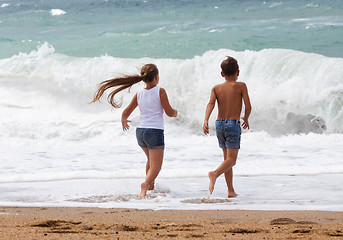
{"type": "Point", "coordinates": [229, 66]}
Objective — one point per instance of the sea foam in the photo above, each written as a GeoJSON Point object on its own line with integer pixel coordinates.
{"type": "Point", "coordinates": [57, 12]}
{"type": "Point", "coordinates": [57, 89]}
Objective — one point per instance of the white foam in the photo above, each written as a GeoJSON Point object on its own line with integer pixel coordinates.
{"type": "Point", "coordinates": [255, 193]}
{"type": "Point", "coordinates": [4, 5]}
{"type": "Point", "coordinates": [119, 157]}
{"type": "Point", "coordinates": [276, 4]}
{"type": "Point", "coordinates": [57, 12]}
{"type": "Point", "coordinates": [57, 89]}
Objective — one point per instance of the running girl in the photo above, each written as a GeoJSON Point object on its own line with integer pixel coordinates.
{"type": "Point", "coordinates": [152, 102]}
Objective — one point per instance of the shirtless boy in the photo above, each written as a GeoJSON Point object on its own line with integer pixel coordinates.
{"type": "Point", "coordinates": [229, 96]}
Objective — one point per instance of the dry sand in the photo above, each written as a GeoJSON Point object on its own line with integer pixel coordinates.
{"type": "Point", "coordinates": [100, 223]}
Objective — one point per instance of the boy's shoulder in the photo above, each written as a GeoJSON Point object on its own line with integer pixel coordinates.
{"type": "Point", "coordinates": [237, 84]}
{"type": "Point", "coordinates": [241, 84]}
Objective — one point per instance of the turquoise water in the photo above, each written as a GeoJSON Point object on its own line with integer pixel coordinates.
{"type": "Point", "coordinates": [170, 29]}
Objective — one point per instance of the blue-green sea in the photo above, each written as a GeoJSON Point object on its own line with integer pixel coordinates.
{"type": "Point", "coordinates": [170, 29]}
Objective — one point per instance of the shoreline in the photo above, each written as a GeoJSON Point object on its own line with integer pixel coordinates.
{"type": "Point", "coordinates": [121, 223]}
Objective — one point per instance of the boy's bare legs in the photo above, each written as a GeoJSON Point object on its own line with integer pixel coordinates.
{"type": "Point", "coordinates": [156, 159]}
{"type": "Point", "coordinates": [229, 176]}
{"type": "Point", "coordinates": [229, 183]}
{"type": "Point", "coordinates": [147, 167]}
{"type": "Point", "coordinates": [230, 157]}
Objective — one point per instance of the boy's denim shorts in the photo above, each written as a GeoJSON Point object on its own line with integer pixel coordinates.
{"type": "Point", "coordinates": [150, 138]}
{"type": "Point", "coordinates": [228, 133]}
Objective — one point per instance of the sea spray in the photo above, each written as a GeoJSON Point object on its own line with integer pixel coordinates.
{"type": "Point", "coordinates": [53, 90]}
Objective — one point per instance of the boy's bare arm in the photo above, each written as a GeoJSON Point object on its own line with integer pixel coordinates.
{"type": "Point", "coordinates": [247, 105]}
{"type": "Point", "coordinates": [210, 106]}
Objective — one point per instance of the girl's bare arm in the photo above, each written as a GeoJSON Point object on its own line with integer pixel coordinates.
{"type": "Point", "coordinates": [127, 112]}
{"type": "Point", "coordinates": [171, 112]}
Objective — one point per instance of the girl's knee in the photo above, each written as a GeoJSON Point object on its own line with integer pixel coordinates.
{"type": "Point", "coordinates": [231, 160]}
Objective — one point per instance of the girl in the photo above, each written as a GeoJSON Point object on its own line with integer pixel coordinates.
{"type": "Point", "coordinates": [152, 102]}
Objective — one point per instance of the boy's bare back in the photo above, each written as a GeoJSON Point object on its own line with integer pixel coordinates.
{"type": "Point", "coordinates": [229, 97]}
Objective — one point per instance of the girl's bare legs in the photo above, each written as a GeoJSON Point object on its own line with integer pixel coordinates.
{"type": "Point", "coordinates": [230, 157]}
{"type": "Point", "coordinates": [147, 167]}
{"type": "Point", "coordinates": [155, 159]}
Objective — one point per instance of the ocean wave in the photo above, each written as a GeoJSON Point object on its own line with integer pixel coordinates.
{"type": "Point", "coordinates": [57, 88]}
{"type": "Point", "coordinates": [6, 39]}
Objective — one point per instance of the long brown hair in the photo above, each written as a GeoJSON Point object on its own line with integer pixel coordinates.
{"type": "Point", "coordinates": [148, 73]}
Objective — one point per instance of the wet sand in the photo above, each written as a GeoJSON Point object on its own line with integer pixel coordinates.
{"type": "Point", "coordinates": [102, 223]}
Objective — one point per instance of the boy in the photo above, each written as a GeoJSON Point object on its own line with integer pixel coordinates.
{"type": "Point", "coordinates": [229, 96]}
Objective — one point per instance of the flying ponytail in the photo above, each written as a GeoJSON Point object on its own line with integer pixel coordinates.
{"type": "Point", "coordinates": [148, 73]}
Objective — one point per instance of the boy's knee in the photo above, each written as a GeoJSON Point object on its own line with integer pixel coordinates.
{"type": "Point", "coordinates": [156, 169]}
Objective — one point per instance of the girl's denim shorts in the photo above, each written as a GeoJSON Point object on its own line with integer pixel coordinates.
{"type": "Point", "coordinates": [150, 138]}
{"type": "Point", "coordinates": [228, 133]}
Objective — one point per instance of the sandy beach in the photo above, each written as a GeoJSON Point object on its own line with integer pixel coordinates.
{"type": "Point", "coordinates": [101, 223]}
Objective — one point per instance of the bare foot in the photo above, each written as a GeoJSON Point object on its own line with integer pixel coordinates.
{"type": "Point", "coordinates": [151, 186]}
{"type": "Point", "coordinates": [212, 177]}
{"type": "Point", "coordinates": [143, 190]}
{"type": "Point", "coordinates": [232, 194]}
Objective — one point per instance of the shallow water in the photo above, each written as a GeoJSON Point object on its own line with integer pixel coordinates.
{"type": "Point", "coordinates": [316, 192]}
{"type": "Point", "coordinates": [272, 173]}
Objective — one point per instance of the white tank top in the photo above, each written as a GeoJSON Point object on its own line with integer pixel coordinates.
{"type": "Point", "coordinates": [151, 109]}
